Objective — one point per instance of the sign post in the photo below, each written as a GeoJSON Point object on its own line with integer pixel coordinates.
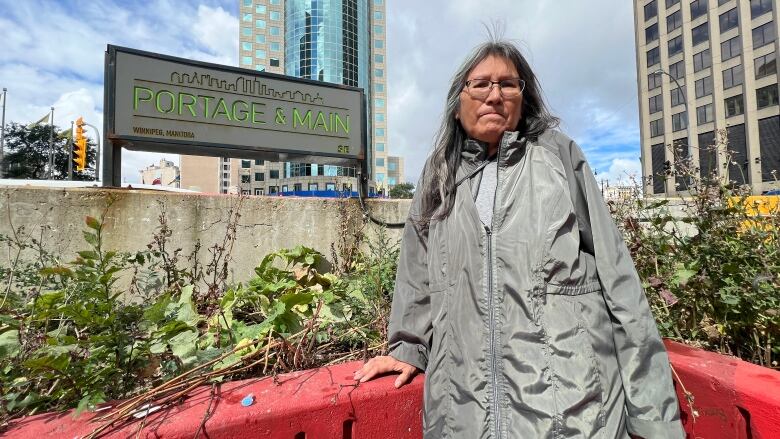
{"type": "Point", "coordinates": [160, 103]}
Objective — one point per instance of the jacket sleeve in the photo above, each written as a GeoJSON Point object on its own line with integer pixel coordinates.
{"type": "Point", "coordinates": [410, 330]}
{"type": "Point", "coordinates": [651, 401]}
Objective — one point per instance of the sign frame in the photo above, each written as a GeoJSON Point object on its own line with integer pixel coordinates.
{"type": "Point", "coordinates": [112, 152]}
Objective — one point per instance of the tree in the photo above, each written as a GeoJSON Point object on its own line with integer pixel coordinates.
{"type": "Point", "coordinates": [27, 154]}
{"type": "Point", "coordinates": [402, 190]}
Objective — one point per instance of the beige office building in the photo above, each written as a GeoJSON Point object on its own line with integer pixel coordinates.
{"type": "Point", "coordinates": [340, 42]}
{"type": "Point", "coordinates": [166, 173]}
{"type": "Point", "coordinates": [704, 67]}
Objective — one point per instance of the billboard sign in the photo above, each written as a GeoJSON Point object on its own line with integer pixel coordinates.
{"type": "Point", "coordinates": [161, 103]}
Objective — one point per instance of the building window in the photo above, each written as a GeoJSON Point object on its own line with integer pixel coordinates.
{"type": "Point", "coordinates": [275, 15]}
{"type": "Point", "coordinates": [380, 146]}
{"type": "Point", "coordinates": [260, 67]}
{"type": "Point", "coordinates": [700, 33]}
{"type": "Point", "coordinates": [675, 46]}
{"type": "Point", "coordinates": [677, 70]}
{"type": "Point", "coordinates": [651, 10]}
{"type": "Point", "coordinates": [653, 81]}
{"type": "Point", "coordinates": [651, 33]}
{"type": "Point", "coordinates": [248, 3]}
{"type": "Point", "coordinates": [285, 188]}
{"type": "Point", "coordinates": [246, 31]}
{"type": "Point", "coordinates": [379, 44]}
{"type": "Point", "coordinates": [260, 39]}
{"type": "Point", "coordinates": [679, 121]}
{"type": "Point", "coordinates": [244, 179]}
{"type": "Point", "coordinates": [378, 29]}
{"type": "Point", "coordinates": [702, 60]}
{"type": "Point", "coordinates": [729, 20]}
{"type": "Point", "coordinates": [260, 53]}
{"type": "Point", "coordinates": [659, 175]}
{"type": "Point", "coordinates": [246, 164]}
{"type": "Point", "coordinates": [259, 176]}
{"type": "Point", "coordinates": [379, 58]}
{"type": "Point", "coordinates": [656, 128]}
{"type": "Point", "coordinates": [274, 62]}
{"type": "Point", "coordinates": [275, 2]}
{"type": "Point", "coordinates": [673, 21]}
{"type": "Point", "coordinates": [380, 103]}
{"type": "Point", "coordinates": [379, 132]}
{"type": "Point", "coordinates": [704, 87]}
{"type": "Point", "coordinates": [260, 24]}
{"type": "Point", "coordinates": [247, 17]}
{"type": "Point", "coordinates": [735, 106]}
{"type": "Point", "coordinates": [378, 2]}
{"type": "Point", "coordinates": [225, 167]}
{"type": "Point", "coordinates": [275, 31]}
{"type": "Point", "coordinates": [380, 162]}
{"type": "Point", "coordinates": [678, 96]}
{"type": "Point", "coordinates": [379, 73]}
{"type": "Point", "coordinates": [759, 7]}
{"type": "Point", "coordinates": [297, 187]}
{"type": "Point", "coordinates": [330, 186]}
{"type": "Point", "coordinates": [766, 96]}
{"type": "Point", "coordinates": [733, 77]}
{"type": "Point", "coordinates": [698, 8]}
{"type": "Point", "coordinates": [314, 187]}
{"type": "Point", "coordinates": [378, 15]}
{"type": "Point", "coordinates": [259, 162]}
{"type": "Point", "coordinates": [260, 9]}
{"type": "Point", "coordinates": [769, 139]}
{"type": "Point", "coordinates": [656, 104]}
{"type": "Point", "coordinates": [276, 46]}
{"type": "Point", "coordinates": [273, 174]}
{"type": "Point", "coordinates": [764, 34]}
{"type": "Point", "coordinates": [258, 191]}
{"type": "Point", "coordinates": [392, 166]}
{"type": "Point", "coordinates": [670, 3]}
{"type": "Point", "coordinates": [379, 117]}
{"type": "Point", "coordinates": [766, 65]}
{"type": "Point", "coordinates": [704, 114]}
{"type": "Point", "coordinates": [730, 48]}
{"type": "Point", "coordinates": [246, 60]}
{"type": "Point", "coordinates": [380, 177]}
{"type": "Point", "coordinates": [273, 190]}
{"type": "Point", "coordinates": [246, 46]}
{"type": "Point", "coordinates": [653, 57]}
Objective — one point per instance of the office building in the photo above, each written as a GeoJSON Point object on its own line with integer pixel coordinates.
{"type": "Point", "coordinates": [706, 67]}
{"type": "Point", "coordinates": [340, 42]}
{"type": "Point", "coordinates": [166, 173]}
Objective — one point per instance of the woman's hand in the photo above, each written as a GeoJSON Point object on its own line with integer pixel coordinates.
{"type": "Point", "coordinates": [385, 364]}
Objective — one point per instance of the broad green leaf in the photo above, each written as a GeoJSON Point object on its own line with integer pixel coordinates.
{"type": "Point", "coordinates": [184, 346]}
{"type": "Point", "coordinates": [93, 223]}
{"type": "Point", "coordinates": [9, 344]}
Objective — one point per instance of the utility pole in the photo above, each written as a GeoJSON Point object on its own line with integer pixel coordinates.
{"type": "Point", "coordinates": [51, 145]}
{"type": "Point", "coordinates": [70, 153]}
{"type": "Point", "coordinates": [2, 136]}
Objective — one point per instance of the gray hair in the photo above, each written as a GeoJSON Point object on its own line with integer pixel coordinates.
{"type": "Point", "coordinates": [437, 194]}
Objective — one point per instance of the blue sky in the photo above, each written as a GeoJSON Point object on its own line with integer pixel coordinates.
{"type": "Point", "coordinates": [583, 51]}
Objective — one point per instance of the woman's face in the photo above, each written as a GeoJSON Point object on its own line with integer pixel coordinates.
{"type": "Point", "coordinates": [487, 119]}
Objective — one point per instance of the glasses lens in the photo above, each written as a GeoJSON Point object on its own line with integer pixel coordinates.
{"type": "Point", "coordinates": [511, 88]}
{"type": "Point", "coordinates": [481, 88]}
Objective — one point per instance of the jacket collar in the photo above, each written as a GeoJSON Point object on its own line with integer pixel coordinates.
{"type": "Point", "coordinates": [510, 149]}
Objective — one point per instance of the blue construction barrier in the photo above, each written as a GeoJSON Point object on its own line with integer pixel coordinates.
{"type": "Point", "coordinates": [325, 194]}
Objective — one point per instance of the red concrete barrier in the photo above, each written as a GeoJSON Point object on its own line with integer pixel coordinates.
{"type": "Point", "coordinates": [733, 400]}
{"type": "Point", "coordinates": [313, 404]}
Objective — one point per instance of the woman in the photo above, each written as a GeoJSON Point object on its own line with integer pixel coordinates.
{"type": "Point", "coordinates": [515, 292]}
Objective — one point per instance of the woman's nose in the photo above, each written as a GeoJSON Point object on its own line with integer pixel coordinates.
{"type": "Point", "coordinates": [494, 96]}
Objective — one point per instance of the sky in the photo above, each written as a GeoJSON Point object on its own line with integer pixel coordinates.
{"type": "Point", "coordinates": [582, 51]}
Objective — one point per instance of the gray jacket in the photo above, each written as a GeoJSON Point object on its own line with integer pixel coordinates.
{"type": "Point", "coordinates": [536, 327]}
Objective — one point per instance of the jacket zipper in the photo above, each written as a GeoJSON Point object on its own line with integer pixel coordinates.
{"type": "Point", "coordinates": [491, 299]}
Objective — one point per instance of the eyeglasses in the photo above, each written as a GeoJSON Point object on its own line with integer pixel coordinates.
{"type": "Point", "coordinates": [481, 88]}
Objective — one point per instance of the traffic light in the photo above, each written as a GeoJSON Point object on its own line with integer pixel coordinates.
{"type": "Point", "coordinates": [80, 146]}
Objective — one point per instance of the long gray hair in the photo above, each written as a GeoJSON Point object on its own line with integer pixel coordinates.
{"type": "Point", "coordinates": [438, 181]}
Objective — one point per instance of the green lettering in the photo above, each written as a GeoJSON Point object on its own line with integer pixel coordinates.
{"type": "Point", "coordinates": [157, 101]}
{"type": "Point", "coordinates": [238, 114]}
{"type": "Point", "coordinates": [187, 104]}
{"type": "Point", "coordinates": [137, 98]}
{"type": "Point", "coordinates": [298, 121]}
{"type": "Point", "coordinates": [256, 113]}
{"type": "Point", "coordinates": [222, 109]}
{"type": "Point", "coordinates": [206, 100]}
{"type": "Point", "coordinates": [321, 121]}
{"type": "Point", "coordinates": [340, 122]}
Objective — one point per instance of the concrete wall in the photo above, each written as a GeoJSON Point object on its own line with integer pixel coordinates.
{"type": "Point", "coordinates": [266, 224]}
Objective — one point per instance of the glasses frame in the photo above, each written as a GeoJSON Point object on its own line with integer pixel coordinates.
{"type": "Point", "coordinates": [467, 87]}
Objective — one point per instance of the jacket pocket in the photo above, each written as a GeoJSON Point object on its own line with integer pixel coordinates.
{"type": "Point", "coordinates": [438, 263]}
{"type": "Point", "coordinates": [437, 397]}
